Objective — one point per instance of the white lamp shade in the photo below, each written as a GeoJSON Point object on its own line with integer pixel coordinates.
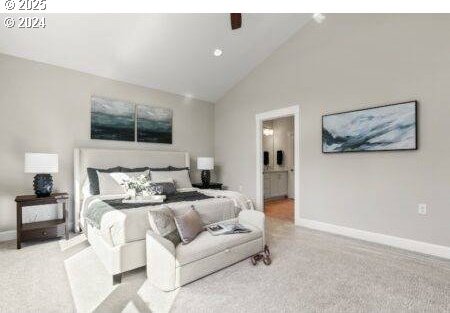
{"type": "Point", "coordinates": [204, 163]}
{"type": "Point", "coordinates": [41, 163]}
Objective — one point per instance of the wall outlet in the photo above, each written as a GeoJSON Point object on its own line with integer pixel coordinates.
{"type": "Point", "coordinates": [240, 188]}
{"type": "Point", "coordinates": [422, 209]}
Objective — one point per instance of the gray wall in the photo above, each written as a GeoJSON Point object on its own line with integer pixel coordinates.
{"type": "Point", "coordinates": [351, 62]}
{"type": "Point", "coordinates": [47, 109]}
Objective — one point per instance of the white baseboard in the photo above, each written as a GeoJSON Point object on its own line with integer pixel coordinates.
{"type": "Point", "coordinates": [7, 235]}
{"type": "Point", "coordinates": [397, 242]}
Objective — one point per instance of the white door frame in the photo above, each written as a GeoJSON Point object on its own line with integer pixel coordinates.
{"type": "Point", "coordinates": [270, 115]}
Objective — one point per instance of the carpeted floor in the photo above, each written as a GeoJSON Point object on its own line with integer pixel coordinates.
{"type": "Point", "coordinates": [311, 272]}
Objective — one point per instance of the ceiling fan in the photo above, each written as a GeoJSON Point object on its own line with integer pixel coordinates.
{"type": "Point", "coordinates": [236, 20]}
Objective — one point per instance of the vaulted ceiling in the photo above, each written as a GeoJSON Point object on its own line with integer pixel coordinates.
{"type": "Point", "coordinates": [171, 52]}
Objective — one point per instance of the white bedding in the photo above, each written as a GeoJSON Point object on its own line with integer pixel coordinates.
{"type": "Point", "coordinates": [121, 226]}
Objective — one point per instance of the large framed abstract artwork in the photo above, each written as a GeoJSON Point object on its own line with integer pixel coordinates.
{"type": "Point", "coordinates": [385, 128]}
{"type": "Point", "coordinates": [154, 124]}
{"type": "Point", "coordinates": [112, 119]}
{"type": "Point", "coordinates": [126, 121]}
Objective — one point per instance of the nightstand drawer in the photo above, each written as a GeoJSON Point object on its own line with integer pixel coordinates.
{"type": "Point", "coordinates": [43, 233]}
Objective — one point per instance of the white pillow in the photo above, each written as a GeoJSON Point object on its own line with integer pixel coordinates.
{"type": "Point", "coordinates": [112, 183]}
{"type": "Point", "coordinates": [181, 178]}
{"type": "Point", "coordinates": [167, 180]}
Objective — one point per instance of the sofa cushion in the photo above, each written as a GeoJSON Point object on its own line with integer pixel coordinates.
{"type": "Point", "coordinates": [206, 244]}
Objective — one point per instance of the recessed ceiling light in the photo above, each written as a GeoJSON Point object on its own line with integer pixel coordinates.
{"type": "Point", "coordinates": [318, 17]}
{"type": "Point", "coordinates": [218, 52]}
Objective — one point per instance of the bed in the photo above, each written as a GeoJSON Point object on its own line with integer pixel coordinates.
{"type": "Point", "coordinates": [118, 237]}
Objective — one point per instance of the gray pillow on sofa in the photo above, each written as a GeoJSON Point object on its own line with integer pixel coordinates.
{"type": "Point", "coordinates": [189, 225]}
{"type": "Point", "coordinates": [162, 223]}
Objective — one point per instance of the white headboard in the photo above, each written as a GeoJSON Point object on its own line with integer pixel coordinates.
{"type": "Point", "coordinates": [105, 158]}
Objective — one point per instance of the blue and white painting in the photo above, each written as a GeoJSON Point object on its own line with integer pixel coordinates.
{"type": "Point", "coordinates": [391, 127]}
{"type": "Point", "coordinates": [154, 124]}
{"type": "Point", "coordinates": [112, 119]}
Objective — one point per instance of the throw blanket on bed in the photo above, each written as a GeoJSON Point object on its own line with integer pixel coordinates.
{"type": "Point", "coordinates": [240, 201]}
{"type": "Point", "coordinates": [95, 212]}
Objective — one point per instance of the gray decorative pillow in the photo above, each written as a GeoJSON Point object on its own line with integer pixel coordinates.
{"type": "Point", "coordinates": [189, 225]}
{"type": "Point", "coordinates": [167, 188]}
{"type": "Point", "coordinates": [156, 169]}
{"type": "Point", "coordinates": [172, 168]}
{"type": "Point", "coordinates": [135, 169]}
{"type": "Point", "coordinates": [162, 223]}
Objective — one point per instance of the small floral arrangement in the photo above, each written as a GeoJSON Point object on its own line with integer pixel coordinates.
{"type": "Point", "coordinates": [139, 186]}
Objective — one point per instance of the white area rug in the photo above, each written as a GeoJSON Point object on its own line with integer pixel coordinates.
{"type": "Point", "coordinates": [311, 272]}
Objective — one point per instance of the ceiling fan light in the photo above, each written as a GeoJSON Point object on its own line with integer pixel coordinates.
{"type": "Point", "coordinates": [318, 17]}
{"type": "Point", "coordinates": [268, 132]}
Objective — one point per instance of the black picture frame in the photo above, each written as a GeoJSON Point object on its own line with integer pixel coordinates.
{"type": "Point", "coordinates": [416, 129]}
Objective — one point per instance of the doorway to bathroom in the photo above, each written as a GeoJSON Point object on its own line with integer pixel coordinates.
{"type": "Point", "coordinates": [277, 152]}
{"type": "Point", "coordinates": [278, 172]}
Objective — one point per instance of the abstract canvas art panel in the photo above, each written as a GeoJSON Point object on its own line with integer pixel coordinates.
{"type": "Point", "coordinates": [384, 128]}
{"type": "Point", "coordinates": [112, 119]}
{"type": "Point", "coordinates": [154, 124]}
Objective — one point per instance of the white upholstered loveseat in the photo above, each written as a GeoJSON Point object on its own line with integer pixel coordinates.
{"type": "Point", "coordinates": [169, 266]}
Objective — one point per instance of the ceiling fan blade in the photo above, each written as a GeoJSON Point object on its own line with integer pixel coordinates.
{"type": "Point", "coordinates": [236, 20]}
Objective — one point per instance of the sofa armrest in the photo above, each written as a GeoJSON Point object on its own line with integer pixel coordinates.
{"type": "Point", "coordinates": [161, 261]}
{"type": "Point", "coordinates": [254, 218]}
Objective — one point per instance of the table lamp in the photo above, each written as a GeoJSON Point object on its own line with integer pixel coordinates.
{"type": "Point", "coordinates": [42, 164]}
{"type": "Point", "coordinates": [205, 164]}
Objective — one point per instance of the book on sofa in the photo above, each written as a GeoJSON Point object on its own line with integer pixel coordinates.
{"type": "Point", "coordinates": [227, 229]}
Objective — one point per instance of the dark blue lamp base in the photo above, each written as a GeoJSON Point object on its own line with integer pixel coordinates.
{"type": "Point", "coordinates": [43, 185]}
{"type": "Point", "coordinates": [206, 178]}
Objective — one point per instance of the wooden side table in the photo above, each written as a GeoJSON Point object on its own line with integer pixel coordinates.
{"type": "Point", "coordinates": [44, 229]}
{"type": "Point", "coordinates": [211, 186]}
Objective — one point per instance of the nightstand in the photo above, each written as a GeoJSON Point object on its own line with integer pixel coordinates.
{"type": "Point", "coordinates": [44, 229]}
{"type": "Point", "coordinates": [211, 186]}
